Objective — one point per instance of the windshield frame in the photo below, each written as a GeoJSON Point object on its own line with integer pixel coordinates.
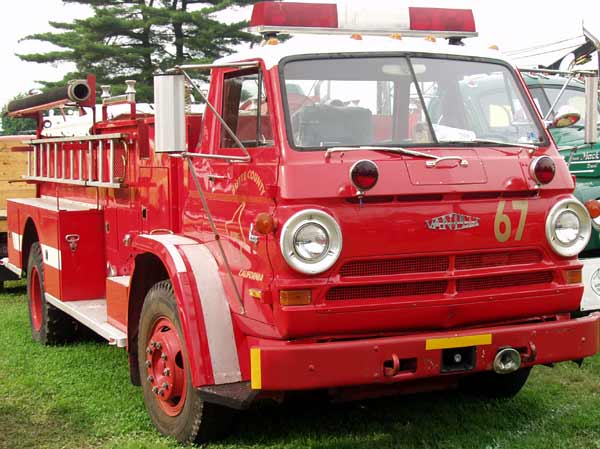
{"type": "Point", "coordinates": [531, 108]}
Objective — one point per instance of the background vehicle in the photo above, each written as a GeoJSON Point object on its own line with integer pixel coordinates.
{"type": "Point", "coordinates": [314, 228]}
{"type": "Point", "coordinates": [13, 165]}
{"type": "Point", "coordinates": [555, 91]}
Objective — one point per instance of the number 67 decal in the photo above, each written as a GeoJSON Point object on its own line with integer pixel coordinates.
{"type": "Point", "coordinates": [502, 224]}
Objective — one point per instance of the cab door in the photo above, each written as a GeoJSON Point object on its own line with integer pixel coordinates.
{"type": "Point", "coordinates": [238, 191]}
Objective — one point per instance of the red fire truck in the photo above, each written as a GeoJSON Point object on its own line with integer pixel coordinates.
{"type": "Point", "coordinates": [339, 218]}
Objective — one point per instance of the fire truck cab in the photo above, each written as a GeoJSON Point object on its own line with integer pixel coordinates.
{"type": "Point", "coordinates": [317, 227]}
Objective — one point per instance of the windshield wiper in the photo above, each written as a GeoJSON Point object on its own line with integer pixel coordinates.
{"type": "Point", "coordinates": [530, 146]}
{"type": "Point", "coordinates": [400, 150]}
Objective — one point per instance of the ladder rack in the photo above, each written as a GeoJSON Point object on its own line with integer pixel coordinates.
{"type": "Point", "coordinates": [97, 161]}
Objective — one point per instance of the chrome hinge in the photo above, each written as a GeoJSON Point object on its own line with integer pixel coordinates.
{"type": "Point", "coordinates": [252, 237]}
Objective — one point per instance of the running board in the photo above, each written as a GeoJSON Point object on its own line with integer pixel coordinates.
{"type": "Point", "coordinates": [91, 313]}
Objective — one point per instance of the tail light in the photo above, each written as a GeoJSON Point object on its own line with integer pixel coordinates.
{"type": "Point", "coordinates": [542, 169]}
{"type": "Point", "coordinates": [364, 175]}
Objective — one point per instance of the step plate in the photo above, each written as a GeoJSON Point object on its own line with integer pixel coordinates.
{"type": "Point", "coordinates": [91, 313]}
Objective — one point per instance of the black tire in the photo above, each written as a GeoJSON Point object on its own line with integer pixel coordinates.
{"type": "Point", "coordinates": [492, 385]}
{"type": "Point", "coordinates": [197, 421]}
{"type": "Point", "coordinates": [49, 325]}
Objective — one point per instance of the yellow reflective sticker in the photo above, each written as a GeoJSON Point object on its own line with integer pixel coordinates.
{"type": "Point", "coordinates": [458, 342]}
{"type": "Point", "coordinates": [255, 369]}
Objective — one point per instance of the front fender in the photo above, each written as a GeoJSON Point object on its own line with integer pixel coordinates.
{"type": "Point", "coordinates": [202, 304]}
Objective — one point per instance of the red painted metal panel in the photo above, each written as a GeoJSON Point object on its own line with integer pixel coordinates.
{"type": "Point", "coordinates": [296, 366]}
{"type": "Point", "coordinates": [83, 266]}
{"type": "Point", "coordinates": [117, 297]}
{"type": "Point", "coordinates": [14, 227]}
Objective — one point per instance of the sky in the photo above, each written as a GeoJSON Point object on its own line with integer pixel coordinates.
{"type": "Point", "coordinates": [510, 24]}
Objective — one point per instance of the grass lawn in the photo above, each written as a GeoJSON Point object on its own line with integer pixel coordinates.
{"type": "Point", "coordinates": [79, 396]}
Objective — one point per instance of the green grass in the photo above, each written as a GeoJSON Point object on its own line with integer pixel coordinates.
{"type": "Point", "coordinates": [79, 396]}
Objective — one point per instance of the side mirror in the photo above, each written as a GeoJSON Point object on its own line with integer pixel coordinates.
{"type": "Point", "coordinates": [591, 109]}
{"type": "Point", "coordinates": [566, 116]}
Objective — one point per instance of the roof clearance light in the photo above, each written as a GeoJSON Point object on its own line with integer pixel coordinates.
{"type": "Point", "coordinates": [290, 14]}
{"type": "Point", "coordinates": [441, 19]}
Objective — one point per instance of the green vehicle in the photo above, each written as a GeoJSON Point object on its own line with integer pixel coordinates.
{"type": "Point", "coordinates": [555, 94]}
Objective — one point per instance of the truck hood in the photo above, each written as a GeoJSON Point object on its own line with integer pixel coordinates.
{"type": "Point", "coordinates": [488, 169]}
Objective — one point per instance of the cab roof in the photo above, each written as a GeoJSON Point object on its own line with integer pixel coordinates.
{"type": "Point", "coordinates": [336, 44]}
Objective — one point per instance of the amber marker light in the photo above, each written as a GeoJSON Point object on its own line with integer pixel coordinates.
{"type": "Point", "coordinates": [264, 224]}
{"type": "Point", "coordinates": [593, 207]}
{"type": "Point", "coordinates": [356, 37]}
{"type": "Point", "coordinates": [396, 36]}
{"type": "Point", "coordinates": [430, 38]}
{"type": "Point", "coordinates": [573, 276]}
{"type": "Point", "coordinates": [295, 297]}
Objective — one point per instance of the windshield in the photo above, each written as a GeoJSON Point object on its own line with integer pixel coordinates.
{"type": "Point", "coordinates": [572, 98]}
{"type": "Point", "coordinates": [403, 101]}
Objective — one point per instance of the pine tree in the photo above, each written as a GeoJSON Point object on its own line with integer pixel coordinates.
{"type": "Point", "coordinates": [132, 39]}
{"type": "Point", "coordinates": [15, 126]}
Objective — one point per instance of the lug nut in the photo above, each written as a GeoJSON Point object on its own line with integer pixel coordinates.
{"type": "Point", "coordinates": [152, 343]}
{"type": "Point", "coordinates": [148, 363]}
{"type": "Point", "coordinates": [161, 392]}
{"type": "Point", "coordinates": [150, 378]}
{"type": "Point", "coordinates": [163, 356]}
{"type": "Point", "coordinates": [166, 372]}
{"type": "Point", "coordinates": [157, 346]}
{"type": "Point", "coordinates": [165, 386]}
{"type": "Point", "coordinates": [155, 390]}
{"type": "Point", "coordinates": [148, 350]}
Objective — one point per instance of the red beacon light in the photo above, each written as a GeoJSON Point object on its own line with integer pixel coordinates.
{"type": "Point", "coordinates": [364, 175]}
{"type": "Point", "coordinates": [313, 18]}
{"type": "Point", "coordinates": [542, 169]}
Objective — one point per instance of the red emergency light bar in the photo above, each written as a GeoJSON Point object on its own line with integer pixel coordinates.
{"type": "Point", "coordinates": [318, 18]}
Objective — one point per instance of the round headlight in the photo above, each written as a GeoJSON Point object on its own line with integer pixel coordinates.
{"type": "Point", "coordinates": [568, 227]}
{"type": "Point", "coordinates": [311, 241]}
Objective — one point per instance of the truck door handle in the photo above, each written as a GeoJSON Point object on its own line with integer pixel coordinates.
{"type": "Point", "coordinates": [212, 178]}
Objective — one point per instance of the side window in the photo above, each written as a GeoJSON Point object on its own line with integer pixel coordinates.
{"type": "Point", "coordinates": [245, 110]}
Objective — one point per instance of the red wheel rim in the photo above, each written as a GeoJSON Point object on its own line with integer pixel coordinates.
{"type": "Point", "coordinates": [35, 299]}
{"type": "Point", "coordinates": [165, 369]}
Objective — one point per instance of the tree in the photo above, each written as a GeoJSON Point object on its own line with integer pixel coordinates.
{"type": "Point", "coordinates": [132, 39]}
{"type": "Point", "coordinates": [16, 126]}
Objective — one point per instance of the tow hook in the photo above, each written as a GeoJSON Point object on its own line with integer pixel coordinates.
{"type": "Point", "coordinates": [531, 354]}
{"type": "Point", "coordinates": [391, 367]}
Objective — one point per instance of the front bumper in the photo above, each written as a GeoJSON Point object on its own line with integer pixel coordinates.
{"type": "Point", "coordinates": [591, 284]}
{"type": "Point", "coordinates": [277, 365]}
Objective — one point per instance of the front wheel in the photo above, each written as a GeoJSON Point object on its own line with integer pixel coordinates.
{"type": "Point", "coordinates": [493, 385]}
{"type": "Point", "coordinates": [173, 404]}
